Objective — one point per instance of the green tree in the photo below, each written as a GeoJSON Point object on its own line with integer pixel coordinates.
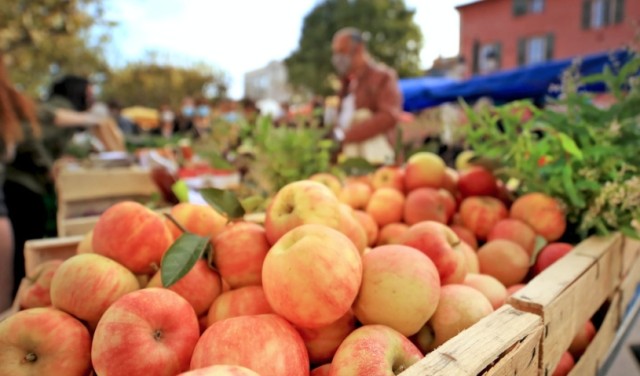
{"type": "Point", "coordinates": [44, 38]}
{"type": "Point", "coordinates": [395, 39]}
{"type": "Point", "coordinates": [153, 83]}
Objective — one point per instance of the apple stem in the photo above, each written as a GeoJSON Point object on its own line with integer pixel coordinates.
{"type": "Point", "coordinates": [175, 222]}
{"type": "Point", "coordinates": [31, 357]}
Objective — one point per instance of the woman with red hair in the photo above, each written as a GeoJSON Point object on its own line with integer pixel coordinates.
{"type": "Point", "coordinates": [18, 121]}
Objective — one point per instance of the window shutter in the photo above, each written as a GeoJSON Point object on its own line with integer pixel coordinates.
{"type": "Point", "coordinates": [519, 7]}
{"type": "Point", "coordinates": [549, 46]}
{"type": "Point", "coordinates": [586, 14]}
{"type": "Point", "coordinates": [475, 63]}
{"type": "Point", "coordinates": [619, 11]}
{"type": "Point", "coordinates": [607, 12]}
{"type": "Point", "coordinates": [498, 50]}
{"type": "Point", "coordinates": [522, 51]}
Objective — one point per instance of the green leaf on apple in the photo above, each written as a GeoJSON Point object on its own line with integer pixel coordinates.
{"type": "Point", "coordinates": [181, 190]}
{"type": "Point", "coordinates": [181, 257]}
{"type": "Point", "coordinates": [225, 202]}
{"type": "Point", "coordinates": [541, 242]}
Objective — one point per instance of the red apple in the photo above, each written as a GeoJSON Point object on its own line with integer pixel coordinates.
{"type": "Point", "coordinates": [309, 202]}
{"type": "Point", "coordinates": [86, 285]}
{"type": "Point", "coordinates": [245, 301]}
{"type": "Point", "coordinates": [132, 235]}
{"type": "Point", "coordinates": [516, 231]}
{"type": "Point", "coordinates": [505, 260]}
{"type": "Point", "coordinates": [477, 181]}
{"type": "Point", "coordinates": [147, 332]}
{"type": "Point", "coordinates": [311, 276]}
{"type": "Point", "coordinates": [450, 204]}
{"type": "Point", "coordinates": [582, 340]}
{"type": "Point", "coordinates": [356, 195]}
{"type": "Point", "coordinates": [549, 255]}
{"type": "Point", "coordinates": [239, 253]}
{"type": "Point", "coordinates": [450, 182]}
{"type": "Point", "coordinates": [424, 170]}
{"type": "Point", "coordinates": [322, 343]}
{"type": "Point", "coordinates": [480, 214]}
{"type": "Point", "coordinates": [388, 177]}
{"type": "Point", "coordinates": [37, 293]}
{"type": "Point", "coordinates": [565, 365]}
{"type": "Point", "coordinates": [465, 235]}
{"type": "Point", "coordinates": [265, 343]}
{"type": "Point", "coordinates": [323, 370]}
{"type": "Point", "coordinates": [369, 225]}
{"type": "Point", "coordinates": [374, 350]}
{"type": "Point", "coordinates": [200, 286]}
{"type": "Point", "coordinates": [543, 213]}
{"type": "Point", "coordinates": [201, 220]}
{"type": "Point", "coordinates": [386, 206]}
{"type": "Point", "coordinates": [400, 289]}
{"type": "Point", "coordinates": [221, 371]}
{"type": "Point", "coordinates": [331, 181]}
{"type": "Point", "coordinates": [490, 287]}
{"type": "Point", "coordinates": [424, 204]}
{"type": "Point", "coordinates": [392, 233]}
{"type": "Point", "coordinates": [439, 243]}
{"type": "Point", "coordinates": [459, 308]}
{"type": "Point", "coordinates": [44, 341]}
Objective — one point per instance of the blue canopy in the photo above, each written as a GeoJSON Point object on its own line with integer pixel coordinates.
{"type": "Point", "coordinates": [529, 82]}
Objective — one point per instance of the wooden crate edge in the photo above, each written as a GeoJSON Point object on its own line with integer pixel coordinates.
{"type": "Point", "coordinates": [479, 347]}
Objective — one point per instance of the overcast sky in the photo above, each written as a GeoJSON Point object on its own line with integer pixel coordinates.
{"type": "Point", "coordinates": [241, 35]}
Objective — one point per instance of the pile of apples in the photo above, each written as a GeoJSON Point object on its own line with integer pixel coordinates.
{"type": "Point", "coordinates": [356, 279]}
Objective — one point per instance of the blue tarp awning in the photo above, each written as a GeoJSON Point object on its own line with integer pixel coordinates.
{"type": "Point", "coordinates": [529, 82]}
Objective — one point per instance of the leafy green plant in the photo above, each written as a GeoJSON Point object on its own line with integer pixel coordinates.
{"type": "Point", "coordinates": [281, 155]}
{"type": "Point", "coordinates": [583, 155]}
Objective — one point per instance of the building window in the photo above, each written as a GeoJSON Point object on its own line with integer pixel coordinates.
{"type": "Point", "coordinates": [535, 50]}
{"type": "Point", "coordinates": [597, 14]}
{"type": "Point", "coordinates": [489, 58]}
{"type": "Point", "coordinates": [522, 7]}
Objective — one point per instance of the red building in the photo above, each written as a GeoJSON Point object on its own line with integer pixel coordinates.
{"type": "Point", "coordinates": [503, 34]}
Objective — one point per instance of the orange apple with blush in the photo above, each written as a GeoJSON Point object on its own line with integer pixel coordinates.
{"type": "Point", "coordinates": [44, 341]}
{"type": "Point", "coordinates": [386, 206]}
{"type": "Point", "coordinates": [356, 194]}
{"type": "Point", "coordinates": [392, 233]}
{"type": "Point", "coordinates": [267, 344]}
{"type": "Point", "coordinates": [331, 181]}
{"type": "Point", "coordinates": [424, 170]}
{"type": "Point", "coordinates": [200, 286]}
{"type": "Point", "coordinates": [240, 250]}
{"type": "Point", "coordinates": [481, 213]}
{"type": "Point", "coordinates": [424, 204]}
{"type": "Point", "coordinates": [244, 301]}
{"type": "Point", "coordinates": [388, 177]}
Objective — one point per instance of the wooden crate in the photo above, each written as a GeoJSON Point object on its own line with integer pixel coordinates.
{"type": "Point", "coordinates": [569, 292]}
{"type": "Point", "coordinates": [630, 253]}
{"type": "Point", "coordinates": [38, 251]}
{"type": "Point", "coordinates": [629, 284]}
{"type": "Point", "coordinates": [87, 192]}
{"type": "Point", "coordinates": [595, 355]}
{"type": "Point", "coordinates": [504, 343]}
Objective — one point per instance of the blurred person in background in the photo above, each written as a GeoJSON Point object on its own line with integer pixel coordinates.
{"type": "Point", "coordinates": [115, 111]}
{"type": "Point", "coordinates": [202, 118]}
{"type": "Point", "coordinates": [18, 122]}
{"type": "Point", "coordinates": [167, 121]}
{"type": "Point", "coordinates": [185, 118]}
{"type": "Point", "coordinates": [29, 185]}
{"type": "Point", "coordinates": [370, 100]}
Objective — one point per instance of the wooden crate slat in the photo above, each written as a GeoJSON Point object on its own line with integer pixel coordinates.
{"type": "Point", "coordinates": [88, 184]}
{"type": "Point", "coordinates": [595, 354]}
{"type": "Point", "coordinates": [484, 344]}
{"type": "Point", "coordinates": [570, 291]}
{"type": "Point", "coordinates": [38, 251]}
{"type": "Point", "coordinates": [630, 252]}
{"type": "Point", "coordinates": [629, 284]}
{"type": "Point", "coordinates": [522, 360]}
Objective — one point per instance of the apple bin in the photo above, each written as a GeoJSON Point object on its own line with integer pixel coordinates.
{"type": "Point", "coordinates": [527, 336]}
